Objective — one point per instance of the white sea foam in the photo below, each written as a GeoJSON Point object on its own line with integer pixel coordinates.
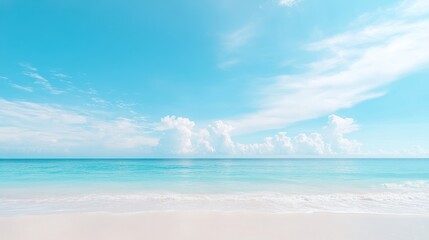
{"type": "Point", "coordinates": [386, 202]}
{"type": "Point", "coordinates": [407, 185]}
{"type": "Point", "coordinates": [406, 197]}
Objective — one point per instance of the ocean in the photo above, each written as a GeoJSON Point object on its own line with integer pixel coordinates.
{"type": "Point", "coordinates": [384, 186]}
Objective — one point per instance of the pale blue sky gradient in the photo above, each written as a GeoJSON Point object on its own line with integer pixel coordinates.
{"type": "Point", "coordinates": [107, 79]}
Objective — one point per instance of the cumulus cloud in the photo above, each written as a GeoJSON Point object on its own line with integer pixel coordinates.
{"type": "Point", "coordinates": [221, 139]}
{"type": "Point", "coordinates": [335, 132]}
{"type": "Point", "coordinates": [355, 66]}
{"type": "Point", "coordinates": [180, 136]}
{"type": "Point", "coordinates": [282, 143]}
{"type": "Point", "coordinates": [312, 144]}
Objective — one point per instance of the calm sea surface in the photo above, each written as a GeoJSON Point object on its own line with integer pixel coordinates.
{"type": "Point", "coordinates": [38, 186]}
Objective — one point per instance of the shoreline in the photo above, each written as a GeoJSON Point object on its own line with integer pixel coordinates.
{"type": "Point", "coordinates": [214, 225]}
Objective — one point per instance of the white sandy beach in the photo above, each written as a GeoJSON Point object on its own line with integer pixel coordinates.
{"type": "Point", "coordinates": [213, 225]}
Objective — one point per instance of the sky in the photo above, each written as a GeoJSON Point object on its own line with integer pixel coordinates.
{"type": "Point", "coordinates": [214, 78]}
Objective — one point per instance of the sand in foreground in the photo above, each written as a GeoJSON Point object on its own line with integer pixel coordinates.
{"type": "Point", "coordinates": [208, 226]}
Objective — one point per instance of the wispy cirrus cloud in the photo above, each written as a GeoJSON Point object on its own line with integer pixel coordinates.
{"type": "Point", "coordinates": [288, 3]}
{"type": "Point", "coordinates": [42, 81]}
{"type": "Point", "coordinates": [233, 43]}
{"type": "Point", "coordinates": [23, 88]}
{"type": "Point", "coordinates": [99, 100]}
{"type": "Point", "coordinates": [30, 127]}
{"type": "Point", "coordinates": [64, 84]}
{"type": "Point", "coordinates": [28, 67]}
{"type": "Point", "coordinates": [358, 63]}
{"type": "Point", "coordinates": [228, 63]}
{"type": "Point", "coordinates": [39, 79]}
{"type": "Point", "coordinates": [46, 129]}
{"type": "Point", "coordinates": [239, 37]}
{"type": "Point", "coordinates": [60, 75]}
{"type": "Point", "coordinates": [16, 86]}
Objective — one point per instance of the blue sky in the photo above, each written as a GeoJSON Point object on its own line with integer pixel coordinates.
{"type": "Point", "coordinates": [218, 78]}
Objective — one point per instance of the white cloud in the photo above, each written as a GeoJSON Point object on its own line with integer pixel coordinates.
{"type": "Point", "coordinates": [17, 86]}
{"type": "Point", "coordinates": [32, 72]}
{"type": "Point", "coordinates": [23, 88]}
{"type": "Point", "coordinates": [288, 3]}
{"type": "Point", "coordinates": [43, 128]}
{"type": "Point", "coordinates": [411, 151]}
{"type": "Point", "coordinates": [14, 112]}
{"type": "Point", "coordinates": [282, 143]}
{"type": "Point", "coordinates": [239, 37]}
{"type": "Point", "coordinates": [357, 65]}
{"type": "Point", "coordinates": [60, 75]}
{"type": "Point", "coordinates": [121, 133]}
{"type": "Point", "coordinates": [43, 82]}
{"type": "Point", "coordinates": [312, 144]}
{"type": "Point", "coordinates": [232, 42]}
{"type": "Point", "coordinates": [335, 133]}
{"type": "Point", "coordinates": [228, 63]}
{"type": "Point", "coordinates": [91, 92]}
{"type": "Point", "coordinates": [220, 133]}
{"type": "Point", "coordinates": [28, 67]}
{"type": "Point", "coordinates": [180, 136]}
{"type": "Point", "coordinates": [414, 8]}
{"type": "Point", "coordinates": [98, 100]}
{"type": "Point", "coordinates": [203, 142]}
{"type": "Point", "coordinates": [416, 150]}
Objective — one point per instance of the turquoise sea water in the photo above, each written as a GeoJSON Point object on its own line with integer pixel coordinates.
{"type": "Point", "coordinates": [393, 186]}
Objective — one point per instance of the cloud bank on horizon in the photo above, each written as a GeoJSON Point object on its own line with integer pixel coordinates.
{"type": "Point", "coordinates": [181, 136]}
{"type": "Point", "coordinates": [45, 112]}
